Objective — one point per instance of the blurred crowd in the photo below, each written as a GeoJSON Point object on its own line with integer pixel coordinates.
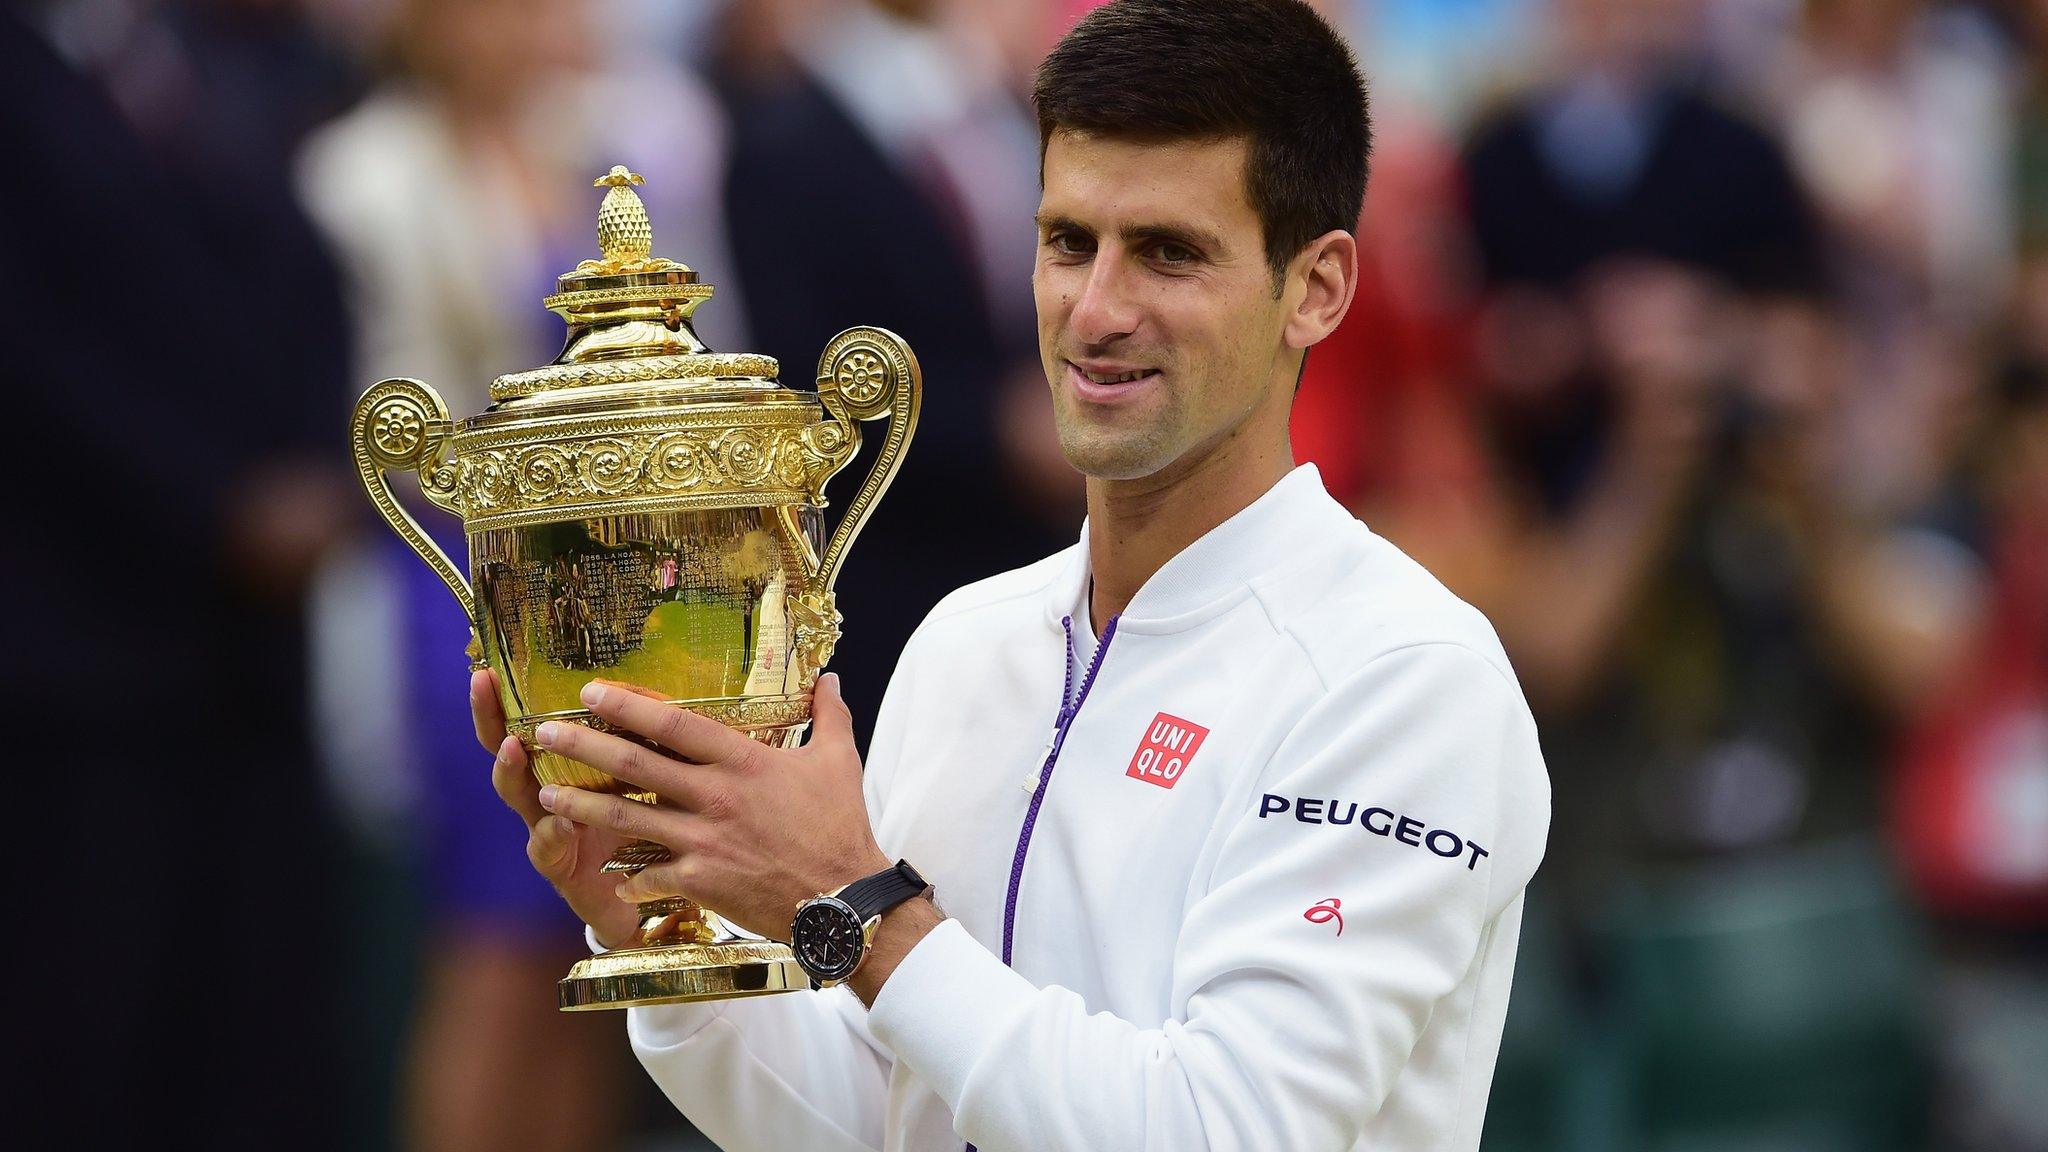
{"type": "Point", "coordinates": [1703, 344]}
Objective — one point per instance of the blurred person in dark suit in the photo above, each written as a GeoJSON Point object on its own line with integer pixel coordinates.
{"type": "Point", "coordinates": [220, 93]}
{"type": "Point", "coordinates": [1718, 641]}
{"type": "Point", "coordinates": [167, 401]}
{"type": "Point", "coordinates": [882, 172]}
{"type": "Point", "coordinates": [1621, 153]}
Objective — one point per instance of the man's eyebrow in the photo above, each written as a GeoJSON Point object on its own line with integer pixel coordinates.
{"type": "Point", "coordinates": [1196, 238]}
{"type": "Point", "coordinates": [1186, 236]}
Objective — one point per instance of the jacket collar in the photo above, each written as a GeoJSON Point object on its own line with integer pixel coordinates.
{"type": "Point", "coordinates": [1293, 518]}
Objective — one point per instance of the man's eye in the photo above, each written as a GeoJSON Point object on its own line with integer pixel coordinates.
{"type": "Point", "coordinates": [1069, 243]}
{"type": "Point", "coordinates": [1171, 253]}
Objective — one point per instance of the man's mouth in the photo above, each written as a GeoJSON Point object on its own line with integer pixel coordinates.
{"type": "Point", "coordinates": [1113, 375]}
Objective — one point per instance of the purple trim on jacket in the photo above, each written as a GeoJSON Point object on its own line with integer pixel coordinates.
{"type": "Point", "coordinates": [1068, 710]}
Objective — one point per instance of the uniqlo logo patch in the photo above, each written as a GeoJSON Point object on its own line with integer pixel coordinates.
{"type": "Point", "coordinates": [1168, 748]}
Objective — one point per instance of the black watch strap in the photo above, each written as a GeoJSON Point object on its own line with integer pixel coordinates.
{"type": "Point", "coordinates": [870, 896]}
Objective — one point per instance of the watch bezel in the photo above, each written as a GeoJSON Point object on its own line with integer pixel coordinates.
{"type": "Point", "coordinates": [852, 917]}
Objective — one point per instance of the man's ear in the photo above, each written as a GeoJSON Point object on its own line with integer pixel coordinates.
{"type": "Point", "coordinates": [1328, 267]}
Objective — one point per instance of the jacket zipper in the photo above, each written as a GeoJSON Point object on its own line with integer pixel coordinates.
{"type": "Point", "coordinates": [1070, 706]}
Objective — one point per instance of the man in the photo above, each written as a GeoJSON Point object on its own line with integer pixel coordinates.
{"type": "Point", "coordinates": [1229, 808]}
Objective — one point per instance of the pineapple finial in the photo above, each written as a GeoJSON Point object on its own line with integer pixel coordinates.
{"type": "Point", "coordinates": [624, 235]}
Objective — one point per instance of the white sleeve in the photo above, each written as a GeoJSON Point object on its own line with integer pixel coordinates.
{"type": "Point", "coordinates": [792, 1070]}
{"type": "Point", "coordinates": [1291, 1035]}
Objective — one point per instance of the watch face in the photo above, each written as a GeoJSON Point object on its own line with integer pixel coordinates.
{"type": "Point", "coordinates": [827, 939]}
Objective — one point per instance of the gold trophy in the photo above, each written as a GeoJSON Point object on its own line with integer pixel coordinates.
{"type": "Point", "coordinates": [646, 510]}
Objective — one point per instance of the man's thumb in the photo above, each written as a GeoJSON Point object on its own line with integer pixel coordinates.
{"type": "Point", "coordinates": [831, 719]}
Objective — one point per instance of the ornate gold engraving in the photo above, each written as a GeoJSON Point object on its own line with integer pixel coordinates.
{"type": "Point", "coordinates": [402, 425]}
{"type": "Point", "coordinates": [749, 714]}
{"type": "Point", "coordinates": [865, 374]}
{"type": "Point", "coordinates": [817, 631]}
{"type": "Point", "coordinates": [639, 854]}
{"type": "Point", "coordinates": [775, 720]}
{"type": "Point", "coordinates": [627, 295]}
{"type": "Point", "coordinates": [501, 486]}
{"type": "Point", "coordinates": [702, 365]}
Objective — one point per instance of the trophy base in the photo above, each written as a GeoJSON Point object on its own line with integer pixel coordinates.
{"type": "Point", "coordinates": [679, 974]}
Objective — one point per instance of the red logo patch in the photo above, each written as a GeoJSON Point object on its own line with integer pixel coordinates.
{"type": "Point", "coordinates": [1324, 911]}
{"type": "Point", "coordinates": [1168, 748]}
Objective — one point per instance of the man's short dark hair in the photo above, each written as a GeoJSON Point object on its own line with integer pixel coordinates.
{"type": "Point", "coordinates": [1269, 71]}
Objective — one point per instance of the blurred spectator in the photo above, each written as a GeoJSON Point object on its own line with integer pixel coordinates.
{"type": "Point", "coordinates": [903, 202]}
{"type": "Point", "coordinates": [154, 580]}
{"type": "Point", "coordinates": [1899, 115]}
{"type": "Point", "coordinates": [1971, 806]}
{"type": "Point", "coordinates": [1712, 634]}
{"type": "Point", "coordinates": [460, 188]}
{"type": "Point", "coordinates": [221, 92]}
{"type": "Point", "coordinates": [1622, 155]}
{"type": "Point", "coordinates": [455, 193]}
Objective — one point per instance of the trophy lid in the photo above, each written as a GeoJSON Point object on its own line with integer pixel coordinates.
{"type": "Point", "coordinates": [629, 312]}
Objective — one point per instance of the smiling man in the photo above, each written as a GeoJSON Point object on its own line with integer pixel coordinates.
{"type": "Point", "coordinates": [1228, 809]}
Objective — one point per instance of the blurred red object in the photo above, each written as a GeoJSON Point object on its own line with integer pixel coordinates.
{"type": "Point", "coordinates": [1381, 412]}
{"type": "Point", "coordinates": [1970, 808]}
{"type": "Point", "coordinates": [1365, 390]}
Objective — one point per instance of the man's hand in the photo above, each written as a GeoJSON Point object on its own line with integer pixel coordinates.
{"type": "Point", "coordinates": [754, 829]}
{"type": "Point", "coordinates": [571, 856]}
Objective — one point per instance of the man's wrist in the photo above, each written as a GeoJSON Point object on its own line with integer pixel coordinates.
{"type": "Point", "coordinates": [875, 862]}
{"type": "Point", "coordinates": [901, 929]}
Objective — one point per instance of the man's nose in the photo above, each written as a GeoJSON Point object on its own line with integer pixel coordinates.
{"type": "Point", "coordinates": [1105, 310]}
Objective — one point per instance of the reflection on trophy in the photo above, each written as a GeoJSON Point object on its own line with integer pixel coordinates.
{"type": "Point", "coordinates": [647, 510]}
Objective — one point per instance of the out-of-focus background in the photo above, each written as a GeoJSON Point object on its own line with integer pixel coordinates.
{"type": "Point", "coordinates": [1702, 343]}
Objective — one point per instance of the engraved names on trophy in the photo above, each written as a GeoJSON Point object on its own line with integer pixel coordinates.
{"type": "Point", "coordinates": [694, 603]}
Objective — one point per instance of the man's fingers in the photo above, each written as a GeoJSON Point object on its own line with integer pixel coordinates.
{"type": "Point", "coordinates": [514, 782]}
{"type": "Point", "coordinates": [485, 711]}
{"type": "Point", "coordinates": [635, 689]}
{"type": "Point", "coordinates": [628, 818]}
{"type": "Point", "coordinates": [692, 787]}
{"type": "Point", "coordinates": [693, 737]}
{"type": "Point", "coordinates": [550, 846]}
{"type": "Point", "coordinates": [677, 877]}
{"type": "Point", "coordinates": [616, 756]}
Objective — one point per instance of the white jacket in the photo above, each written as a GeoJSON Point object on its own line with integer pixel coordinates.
{"type": "Point", "coordinates": [1260, 890]}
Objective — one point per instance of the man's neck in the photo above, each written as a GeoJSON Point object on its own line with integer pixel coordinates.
{"type": "Point", "coordinates": [1136, 526]}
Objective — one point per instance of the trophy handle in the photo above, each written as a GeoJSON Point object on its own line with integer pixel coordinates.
{"type": "Point", "coordinates": [402, 425]}
{"type": "Point", "coordinates": [865, 374]}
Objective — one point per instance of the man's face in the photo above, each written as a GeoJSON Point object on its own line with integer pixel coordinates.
{"type": "Point", "coordinates": [1157, 320]}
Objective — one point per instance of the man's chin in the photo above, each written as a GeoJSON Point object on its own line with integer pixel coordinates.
{"type": "Point", "coordinates": [1100, 457]}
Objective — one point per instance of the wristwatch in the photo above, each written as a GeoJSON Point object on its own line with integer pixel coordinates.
{"type": "Point", "coordinates": [832, 930]}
